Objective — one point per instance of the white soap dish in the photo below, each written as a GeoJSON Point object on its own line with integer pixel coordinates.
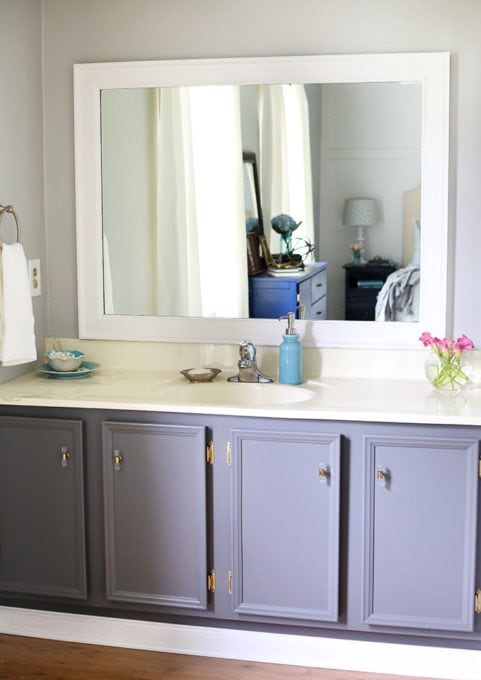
{"type": "Point", "coordinates": [200, 374]}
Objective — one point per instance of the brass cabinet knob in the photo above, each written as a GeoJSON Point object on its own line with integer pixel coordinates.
{"type": "Point", "coordinates": [64, 456]}
{"type": "Point", "coordinates": [118, 459]}
{"type": "Point", "coordinates": [323, 473]}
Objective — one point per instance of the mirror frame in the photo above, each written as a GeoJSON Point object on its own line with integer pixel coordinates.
{"type": "Point", "coordinates": [430, 69]}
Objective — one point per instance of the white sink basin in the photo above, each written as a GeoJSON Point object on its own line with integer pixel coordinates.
{"type": "Point", "coordinates": [238, 394]}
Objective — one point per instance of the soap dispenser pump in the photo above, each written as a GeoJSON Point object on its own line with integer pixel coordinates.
{"type": "Point", "coordinates": [290, 354]}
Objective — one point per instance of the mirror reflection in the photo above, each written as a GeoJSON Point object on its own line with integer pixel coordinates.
{"type": "Point", "coordinates": [178, 188]}
{"type": "Point", "coordinates": [252, 194]}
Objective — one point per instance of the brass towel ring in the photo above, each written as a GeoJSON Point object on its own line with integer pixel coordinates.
{"type": "Point", "coordinates": [9, 209]}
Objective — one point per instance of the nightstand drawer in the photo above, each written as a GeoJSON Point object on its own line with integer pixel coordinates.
{"type": "Point", "coordinates": [362, 296]}
{"type": "Point", "coordinates": [318, 285]}
{"type": "Point", "coordinates": [318, 310]}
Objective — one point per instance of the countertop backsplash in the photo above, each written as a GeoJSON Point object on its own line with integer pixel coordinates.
{"type": "Point", "coordinates": [374, 364]}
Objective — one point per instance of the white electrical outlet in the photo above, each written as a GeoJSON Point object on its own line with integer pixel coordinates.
{"type": "Point", "coordinates": [35, 280]}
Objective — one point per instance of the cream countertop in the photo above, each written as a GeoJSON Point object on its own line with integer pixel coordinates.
{"type": "Point", "coordinates": [341, 384]}
{"type": "Point", "coordinates": [354, 399]}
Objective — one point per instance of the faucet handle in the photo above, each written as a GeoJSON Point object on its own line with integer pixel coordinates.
{"type": "Point", "coordinates": [247, 350]}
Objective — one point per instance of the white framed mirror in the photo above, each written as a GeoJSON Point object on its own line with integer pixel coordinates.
{"type": "Point", "coordinates": [97, 317]}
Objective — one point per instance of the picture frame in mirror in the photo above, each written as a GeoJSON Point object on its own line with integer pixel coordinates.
{"type": "Point", "coordinates": [254, 263]}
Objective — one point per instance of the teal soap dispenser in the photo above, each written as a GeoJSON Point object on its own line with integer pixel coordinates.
{"type": "Point", "coordinates": [290, 355]}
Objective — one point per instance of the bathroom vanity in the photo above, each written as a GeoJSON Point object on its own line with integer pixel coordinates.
{"type": "Point", "coordinates": [301, 516]}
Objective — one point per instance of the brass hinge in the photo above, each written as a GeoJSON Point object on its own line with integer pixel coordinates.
{"type": "Point", "coordinates": [477, 601]}
{"type": "Point", "coordinates": [210, 452]}
{"type": "Point", "coordinates": [228, 453]}
{"type": "Point", "coordinates": [229, 582]}
{"type": "Point", "coordinates": [211, 581]}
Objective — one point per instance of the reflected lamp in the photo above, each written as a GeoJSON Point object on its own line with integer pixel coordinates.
{"type": "Point", "coordinates": [360, 213]}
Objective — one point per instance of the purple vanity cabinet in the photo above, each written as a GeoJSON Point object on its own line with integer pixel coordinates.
{"type": "Point", "coordinates": [366, 530]}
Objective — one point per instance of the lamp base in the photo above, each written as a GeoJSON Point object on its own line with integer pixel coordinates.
{"type": "Point", "coordinates": [360, 239]}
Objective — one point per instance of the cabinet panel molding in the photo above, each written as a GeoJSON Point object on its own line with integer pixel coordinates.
{"type": "Point", "coordinates": [420, 523]}
{"type": "Point", "coordinates": [286, 516]}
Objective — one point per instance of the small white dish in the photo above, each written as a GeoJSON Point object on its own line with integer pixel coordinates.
{"type": "Point", "coordinates": [200, 374]}
{"type": "Point", "coordinates": [64, 360]}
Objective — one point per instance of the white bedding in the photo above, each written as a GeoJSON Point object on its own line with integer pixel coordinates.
{"type": "Point", "coordinates": [398, 299]}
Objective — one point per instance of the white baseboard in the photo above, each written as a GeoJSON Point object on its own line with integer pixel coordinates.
{"type": "Point", "coordinates": [313, 651]}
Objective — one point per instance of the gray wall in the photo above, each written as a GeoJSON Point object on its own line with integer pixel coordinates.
{"type": "Point", "coordinates": [21, 166]}
{"type": "Point", "coordinates": [103, 30]}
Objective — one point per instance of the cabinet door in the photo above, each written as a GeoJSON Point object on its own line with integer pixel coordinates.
{"type": "Point", "coordinates": [155, 514]}
{"type": "Point", "coordinates": [42, 533]}
{"type": "Point", "coordinates": [420, 532]}
{"type": "Point", "coordinates": [286, 524]}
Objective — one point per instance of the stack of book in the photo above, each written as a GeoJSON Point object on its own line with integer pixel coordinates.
{"type": "Point", "coordinates": [285, 271]}
{"type": "Point", "coordinates": [370, 284]}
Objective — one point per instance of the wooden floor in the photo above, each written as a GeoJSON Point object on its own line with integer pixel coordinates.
{"type": "Point", "coordinates": [23, 658]}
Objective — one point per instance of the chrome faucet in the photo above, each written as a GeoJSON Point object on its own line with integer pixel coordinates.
{"type": "Point", "coordinates": [248, 371]}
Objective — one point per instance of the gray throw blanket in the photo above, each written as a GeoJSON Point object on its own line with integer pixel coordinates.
{"type": "Point", "coordinates": [396, 297]}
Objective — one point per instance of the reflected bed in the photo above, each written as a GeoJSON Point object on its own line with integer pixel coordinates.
{"type": "Point", "coordinates": [398, 299]}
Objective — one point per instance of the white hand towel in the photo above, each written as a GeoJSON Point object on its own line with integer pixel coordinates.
{"type": "Point", "coordinates": [17, 339]}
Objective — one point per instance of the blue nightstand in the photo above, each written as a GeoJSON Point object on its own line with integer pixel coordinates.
{"type": "Point", "coordinates": [271, 297]}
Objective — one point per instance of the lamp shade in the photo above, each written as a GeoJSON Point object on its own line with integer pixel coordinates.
{"type": "Point", "coordinates": [360, 212]}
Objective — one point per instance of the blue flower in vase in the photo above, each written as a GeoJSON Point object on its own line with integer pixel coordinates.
{"type": "Point", "coordinates": [284, 225]}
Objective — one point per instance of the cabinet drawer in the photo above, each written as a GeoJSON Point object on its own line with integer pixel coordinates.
{"type": "Point", "coordinates": [319, 286]}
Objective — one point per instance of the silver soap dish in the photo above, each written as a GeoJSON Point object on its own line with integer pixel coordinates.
{"type": "Point", "coordinates": [200, 374]}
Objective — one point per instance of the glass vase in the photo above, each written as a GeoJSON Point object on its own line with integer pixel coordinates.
{"type": "Point", "coordinates": [356, 258]}
{"type": "Point", "coordinates": [286, 244]}
{"type": "Point", "coordinates": [449, 374]}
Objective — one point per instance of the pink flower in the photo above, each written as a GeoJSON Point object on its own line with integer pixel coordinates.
{"type": "Point", "coordinates": [463, 343]}
{"type": "Point", "coordinates": [446, 344]}
{"type": "Point", "coordinates": [427, 339]}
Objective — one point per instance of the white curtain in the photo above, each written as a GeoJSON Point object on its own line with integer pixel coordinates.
{"type": "Point", "coordinates": [200, 235]}
{"type": "Point", "coordinates": [285, 158]}
{"type": "Point", "coordinates": [175, 251]}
